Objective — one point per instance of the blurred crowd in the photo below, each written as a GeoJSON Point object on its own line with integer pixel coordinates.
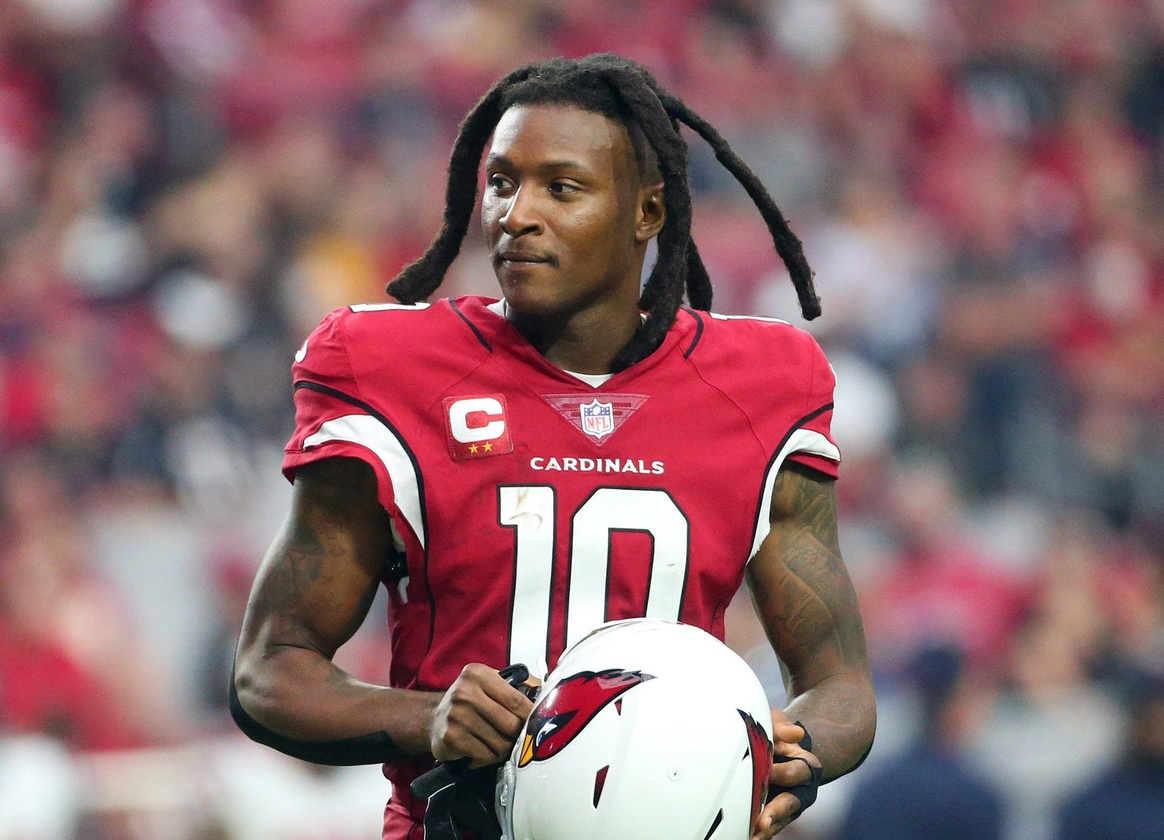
{"type": "Point", "coordinates": [187, 186]}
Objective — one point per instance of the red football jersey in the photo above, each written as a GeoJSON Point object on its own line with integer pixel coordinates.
{"type": "Point", "coordinates": [533, 506]}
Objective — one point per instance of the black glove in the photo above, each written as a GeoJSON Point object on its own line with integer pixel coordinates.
{"type": "Point", "coordinates": [461, 799]}
{"type": "Point", "coordinates": [466, 805]}
{"type": "Point", "coordinates": [806, 792]}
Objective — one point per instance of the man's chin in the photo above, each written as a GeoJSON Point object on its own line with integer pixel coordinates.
{"type": "Point", "coordinates": [526, 302]}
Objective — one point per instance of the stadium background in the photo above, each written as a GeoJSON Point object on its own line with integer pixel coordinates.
{"type": "Point", "coordinates": [187, 186]}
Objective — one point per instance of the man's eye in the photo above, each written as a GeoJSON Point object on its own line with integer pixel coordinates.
{"type": "Point", "coordinates": [562, 188]}
{"type": "Point", "coordinates": [498, 182]}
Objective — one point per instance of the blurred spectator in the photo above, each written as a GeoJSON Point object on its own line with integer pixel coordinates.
{"type": "Point", "coordinates": [69, 665]}
{"type": "Point", "coordinates": [1126, 802]}
{"type": "Point", "coordinates": [1058, 650]}
{"type": "Point", "coordinates": [941, 585]}
{"type": "Point", "coordinates": [931, 792]}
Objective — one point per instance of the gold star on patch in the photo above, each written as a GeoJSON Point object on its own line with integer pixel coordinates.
{"type": "Point", "coordinates": [473, 449]}
{"type": "Point", "coordinates": [488, 447]}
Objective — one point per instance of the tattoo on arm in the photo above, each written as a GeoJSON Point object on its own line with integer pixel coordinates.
{"type": "Point", "coordinates": [324, 571]}
{"type": "Point", "coordinates": [809, 608]}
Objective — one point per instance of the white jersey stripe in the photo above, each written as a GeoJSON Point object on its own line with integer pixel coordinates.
{"type": "Point", "coordinates": [383, 307]}
{"type": "Point", "coordinates": [802, 440]}
{"type": "Point", "coordinates": [382, 442]}
{"type": "Point", "coordinates": [763, 318]}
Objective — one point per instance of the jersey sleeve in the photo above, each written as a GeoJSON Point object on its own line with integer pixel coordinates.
{"type": "Point", "coordinates": [336, 418]}
{"type": "Point", "coordinates": [814, 444]}
{"type": "Point", "coordinates": [331, 418]}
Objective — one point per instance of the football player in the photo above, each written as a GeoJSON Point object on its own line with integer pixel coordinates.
{"type": "Point", "coordinates": [585, 448]}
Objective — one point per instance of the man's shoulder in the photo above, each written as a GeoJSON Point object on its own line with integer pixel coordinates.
{"type": "Point", "coordinates": [753, 345]}
{"type": "Point", "coordinates": [389, 322]}
{"type": "Point", "coordinates": [746, 330]}
{"type": "Point", "coordinates": [399, 331]}
{"type": "Point", "coordinates": [363, 347]}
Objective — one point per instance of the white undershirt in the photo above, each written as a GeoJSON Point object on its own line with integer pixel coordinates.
{"type": "Point", "coordinates": [591, 379]}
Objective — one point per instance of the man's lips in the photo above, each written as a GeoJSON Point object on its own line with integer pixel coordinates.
{"type": "Point", "coordinates": [525, 257]}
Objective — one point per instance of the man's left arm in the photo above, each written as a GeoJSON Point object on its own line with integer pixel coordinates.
{"type": "Point", "coordinates": [807, 604]}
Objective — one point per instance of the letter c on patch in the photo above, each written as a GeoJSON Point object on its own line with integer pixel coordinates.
{"type": "Point", "coordinates": [476, 420]}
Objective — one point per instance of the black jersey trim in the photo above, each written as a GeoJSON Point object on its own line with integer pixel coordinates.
{"type": "Point", "coordinates": [698, 333]}
{"type": "Point", "coordinates": [472, 326]}
{"type": "Point", "coordinates": [812, 415]}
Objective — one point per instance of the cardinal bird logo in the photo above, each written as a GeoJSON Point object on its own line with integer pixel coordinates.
{"type": "Point", "coordinates": [760, 748]}
{"type": "Point", "coordinates": [572, 704]}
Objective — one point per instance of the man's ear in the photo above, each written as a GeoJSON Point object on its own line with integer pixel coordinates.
{"type": "Point", "coordinates": [652, 213]}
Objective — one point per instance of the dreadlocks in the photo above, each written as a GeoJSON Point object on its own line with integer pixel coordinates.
{"type": "Point", "coordinates": [626, 92]}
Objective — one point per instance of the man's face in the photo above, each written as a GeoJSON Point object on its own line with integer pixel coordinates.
{"type": "Point", "coordinates": [565, 214]}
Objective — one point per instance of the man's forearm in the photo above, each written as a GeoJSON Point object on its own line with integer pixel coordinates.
{"type": "Point", "coordinates": [841, 716]}
{"type": "Point", "coordinates": [292, 696]}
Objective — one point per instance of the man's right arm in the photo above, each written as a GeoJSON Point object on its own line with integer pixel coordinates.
{"type": "Point", "coordinates": [311, 594]}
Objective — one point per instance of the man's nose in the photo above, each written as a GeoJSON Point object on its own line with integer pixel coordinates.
{"type": "Point", "coordinates": [521, 215]}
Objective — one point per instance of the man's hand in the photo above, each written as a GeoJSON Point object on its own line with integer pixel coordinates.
{"type": "Point", "coordinates": [780, 811]}
{"type": "Point", "coordinates": [478, 718]}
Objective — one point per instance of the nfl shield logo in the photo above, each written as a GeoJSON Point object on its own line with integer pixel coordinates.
{"type": "Point", "coordinates": [597, 418]}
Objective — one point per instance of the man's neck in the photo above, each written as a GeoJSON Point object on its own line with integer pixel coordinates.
{"type": "Point", "coordinates": [586, 342]}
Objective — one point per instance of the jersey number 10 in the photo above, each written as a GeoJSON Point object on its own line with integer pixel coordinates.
{"type": "Point", "coordinates": [530, 512]}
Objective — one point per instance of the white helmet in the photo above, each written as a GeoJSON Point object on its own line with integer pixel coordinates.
{"type": "Point", "coordinates": [646, 728]}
